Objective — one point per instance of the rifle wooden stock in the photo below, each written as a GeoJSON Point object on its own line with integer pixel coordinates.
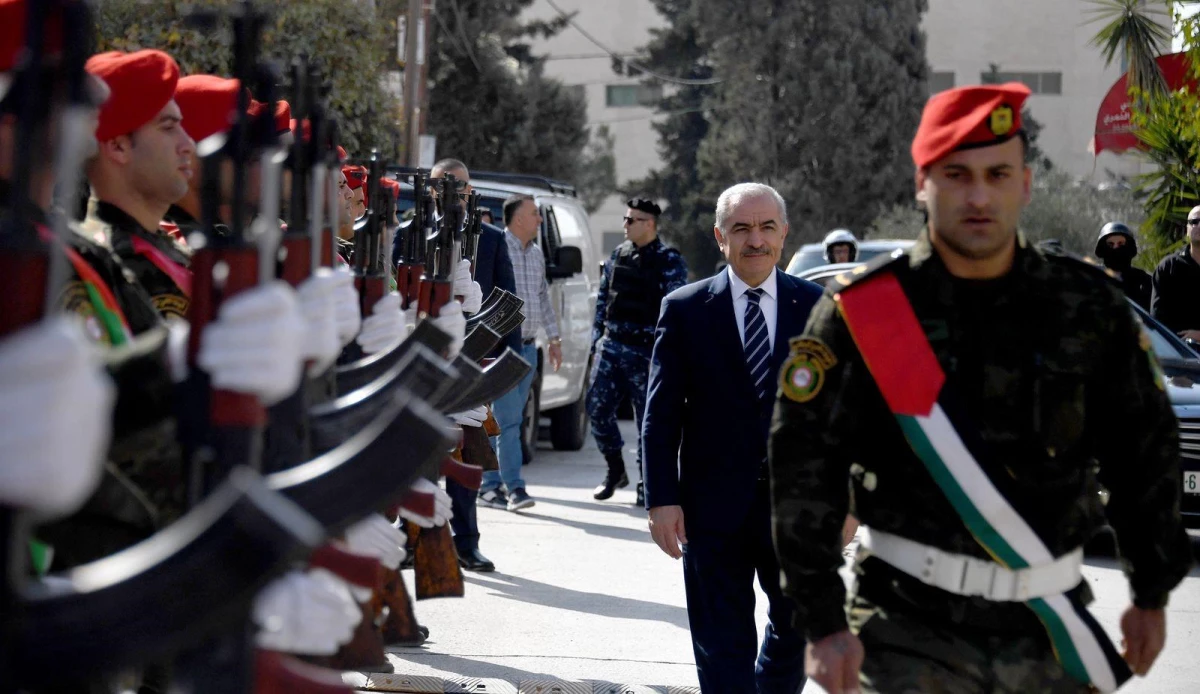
{"type": "Point", "coordinates": [296, 265]}
{"type": "Point", "coordinates": [371, 288]}
{"type": "Point", "coordinates": [435, 563]}
{"type": "Point", "coordinates": [277, 673]}
{"type": "Point", "coordinates": [467, 475]}
{"type": "Point", "coordinates": [477, 450]}
{"type": "Point", "coordinates": [435, 294]}
{"type": "Point", "coordinates": [420, 503]}
{"type": "Point", "coordinates": [400, 626]}
{"type": "Point", "coordinates": [354, 568]}
{"type": "Point", "coordinates": [492, 427]}
{"type": "Point", "coordinates": [364, 652]}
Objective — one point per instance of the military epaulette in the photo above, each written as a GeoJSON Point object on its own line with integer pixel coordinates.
{"type": "Point", "coordinates": [846, 279]}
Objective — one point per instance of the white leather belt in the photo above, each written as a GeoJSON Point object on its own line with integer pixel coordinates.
{"type": "Point", "coordinates": [964, 575]}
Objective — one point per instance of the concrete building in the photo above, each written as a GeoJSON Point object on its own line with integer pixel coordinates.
{"type": "Point", "coordinates": [1044, 43]}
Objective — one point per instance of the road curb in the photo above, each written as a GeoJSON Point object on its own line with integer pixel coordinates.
{"type": "Point", "coordinates": [415, 684]}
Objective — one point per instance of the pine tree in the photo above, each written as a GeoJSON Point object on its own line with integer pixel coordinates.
{"type": "Point", "coordinates": [817, 99]}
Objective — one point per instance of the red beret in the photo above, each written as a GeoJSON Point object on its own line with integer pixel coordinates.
{"type": "Point", "coordinates": [142, 83]}
{"type": "Point", "coordinates": [356, 176]}
{"type": "Point", "coordinates": [283, 114]}
{"type": "Point", "coordinates": [342, 153]}
{"type": "Point", "coordinates": [208, 104]}
{"type": "Point", "coordinates": [12, 33]}
{"type": "Point", "coordinates": [967, 118]}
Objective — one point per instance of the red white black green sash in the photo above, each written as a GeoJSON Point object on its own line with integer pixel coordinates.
{"type": "Point", "coordinates": [902, 362]}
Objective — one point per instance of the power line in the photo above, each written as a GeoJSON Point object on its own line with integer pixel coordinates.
{"type": "Point", "coordinates": [616, 56]}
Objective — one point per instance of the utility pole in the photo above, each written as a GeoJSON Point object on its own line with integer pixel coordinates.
{"type": "Point", "coordinates": [415, 76]}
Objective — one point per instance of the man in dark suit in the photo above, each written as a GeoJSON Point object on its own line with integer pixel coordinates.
{"type": "Point", "coordinates": [713, 375]}
{"type": "Point", "coordinates": [493, 268]}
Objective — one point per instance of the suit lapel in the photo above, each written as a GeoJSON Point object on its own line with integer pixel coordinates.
{"type": "Point", "coordinates": [725, 330]}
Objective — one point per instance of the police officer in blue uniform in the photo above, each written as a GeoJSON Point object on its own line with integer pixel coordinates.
{"type": "Point", "coordinates": [641, 271]}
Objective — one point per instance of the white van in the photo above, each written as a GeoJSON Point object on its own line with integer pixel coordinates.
{"type": "Point", "coordinates": [572, 268]}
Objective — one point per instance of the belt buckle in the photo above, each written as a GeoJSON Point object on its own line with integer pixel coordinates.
{"type": "Point", "coordinates": [987, 579]}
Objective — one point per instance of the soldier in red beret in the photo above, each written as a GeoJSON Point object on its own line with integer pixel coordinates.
{"type": "Point", "coordinates": [143, 166]}
{"type": "Point", "coordinates": [356, 181]}
{"type": "Point", "coordinates": [964, 400]}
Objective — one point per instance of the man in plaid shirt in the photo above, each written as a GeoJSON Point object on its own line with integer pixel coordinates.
{"type": "Point", "coordinates": [521, 221]}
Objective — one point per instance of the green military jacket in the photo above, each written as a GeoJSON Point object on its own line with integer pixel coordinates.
{"type": "Point", "coordinates": [1053, 368]}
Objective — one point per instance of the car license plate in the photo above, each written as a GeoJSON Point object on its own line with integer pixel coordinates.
{"type": "Point", "coordinates": [1191, 483]}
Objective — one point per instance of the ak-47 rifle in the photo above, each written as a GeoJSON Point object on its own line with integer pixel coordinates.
{"type": "Point", "coordinates": [411, 264]}
{"type": "Point", "coordinates": [371, 272]}
{"type": "Point", "coordinates": [30, 285]}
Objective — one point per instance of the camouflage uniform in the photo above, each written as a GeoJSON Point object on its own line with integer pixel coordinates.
{"type": "Point", "coordinates": [141, 487]}
{"type": "Point", "coordinates": [1054, 370]}
{"type": "Point", "coordinates": [632, 287]}
{"type": "Point", "coordinates": [109, 224]}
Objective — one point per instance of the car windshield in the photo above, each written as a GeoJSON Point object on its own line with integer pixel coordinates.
{"type": "Point", "coordinates": [1164, 347]}
{"type": "Point", "coordinates": [807, 259]}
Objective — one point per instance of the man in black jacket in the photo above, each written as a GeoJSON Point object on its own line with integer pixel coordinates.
{"type": "Point", "coordinates": [1176, 284]}
{"type": "Point", "coordinates": [493, 268]}
{"type": "Point", "coordinates": [1117, 247]}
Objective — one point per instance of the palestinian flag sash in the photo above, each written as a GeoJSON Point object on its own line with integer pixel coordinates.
{"type": "Point", "coordinates": [180, 275]}
{"type": "Point", "coordinates": [902, 362]}
{"type": "Point", "coordinates": [108, 311]}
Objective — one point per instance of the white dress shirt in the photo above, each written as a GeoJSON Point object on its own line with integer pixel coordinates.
{"type": "Point", "coordinates": [768, 303]}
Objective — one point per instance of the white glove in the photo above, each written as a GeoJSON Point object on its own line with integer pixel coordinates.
{"type": "Point", "coordinates": [386, 327]}
{"type": "Point", "coordinates": [375, 537]}
{"type": "Point", "coordinates": [318, 297]}
{"type": "Point", "coordinates": [178, 331]}
{"type": "Point", "coordinates": [452, 322]}
{"type": "Point", "coordinates": [471, 418]}
{"type": "Point", "coordinates": [441, 506]}
{"type": "Point", "coordinates": [255, 345]}
{"type": "Point", "coordinates": [55, 417]}
{"type": "Point", "coordinates": [467, 288]}
{"type": "Point", "coordinates": [306, 613]}
{"type": "Point", "coordinates": [349, 316]}
{"type": "Point", "coordinates": [410, 317]}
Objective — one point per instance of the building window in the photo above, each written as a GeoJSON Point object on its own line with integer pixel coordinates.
{"type": "Point", "coordinates": [1038, 82]}
{"type": "Point", "coordinates": [626, 95]}
{"type": "Point", "coordinates": [940, 81]}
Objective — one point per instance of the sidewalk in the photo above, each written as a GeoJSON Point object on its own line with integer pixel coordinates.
{"type": "Point", "coordinates": [582, 594]}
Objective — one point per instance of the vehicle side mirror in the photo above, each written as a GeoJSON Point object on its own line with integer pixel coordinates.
{"type": "Point", "coordinates": [568, 261]}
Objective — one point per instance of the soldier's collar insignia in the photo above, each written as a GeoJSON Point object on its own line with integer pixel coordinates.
{"type": "Point", "coordinates": [1001, 120]}
{"type": "Point", "coordinates": [803, 374]}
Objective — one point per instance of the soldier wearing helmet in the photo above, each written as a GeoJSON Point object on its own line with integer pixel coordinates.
{"type": "Point", "coordinates": [1117, 247]}
{"type": "Point", "coordinates": [840, 247]}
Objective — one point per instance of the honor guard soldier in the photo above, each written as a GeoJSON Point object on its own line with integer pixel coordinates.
{"type": "Point", "coordinates": [965, 400]}
{"type": "Point", "coordinates": [142, 168]}
{"type": "Point", "coordinates": [641, 271]}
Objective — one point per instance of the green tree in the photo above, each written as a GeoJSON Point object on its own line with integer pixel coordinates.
{"type": "Point", "coordinates": [687, 218]}
{"type": "Point", "coordinates": [821, 104]}
{"type": "Point", "coordinates": [491, 105]}
{"type": "Point", "coordinates": [349, 60]}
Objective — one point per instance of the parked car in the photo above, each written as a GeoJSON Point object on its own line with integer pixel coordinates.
{"type": "Point", "coordinates": [1181, 365]}
{"type": "Point", "coordinates": [812, 255]}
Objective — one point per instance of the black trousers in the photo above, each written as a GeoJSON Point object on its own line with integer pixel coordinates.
{"type": "Point", "coordinates": [464, 523]}
{"type": "Point", "coordinates": [718, 575]}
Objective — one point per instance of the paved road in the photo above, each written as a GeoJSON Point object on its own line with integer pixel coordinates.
{"type": "Point", "coordinates": [582, 593]}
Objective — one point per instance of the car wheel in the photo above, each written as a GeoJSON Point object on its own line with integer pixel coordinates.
{"type": "Point", "coordinates": [531, 420]}
{"type": "Point", "coordinates": [569, 424]}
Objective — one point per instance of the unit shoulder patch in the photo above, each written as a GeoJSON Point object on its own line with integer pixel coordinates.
{"type": "Point", "coordinates": [803, 374]}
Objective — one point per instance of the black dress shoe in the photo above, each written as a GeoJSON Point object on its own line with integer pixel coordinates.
{"type": "Point", "coordinates": [474, 561]}
{"type": "Point", "coordinates": [641, 494]}
{"type": "Point", "coordinates": [611, 483]}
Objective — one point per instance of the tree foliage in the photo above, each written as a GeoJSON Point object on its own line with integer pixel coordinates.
{"type": "Point", "coordinates": [349, 59]}
{"type": "Point", "coordinates": [491, 105]}
{"type": "Point", "coordinates": [821, 103]}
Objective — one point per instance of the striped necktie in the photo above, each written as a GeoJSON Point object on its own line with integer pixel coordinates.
{"type": "Point", "coordinates": [757, 344]}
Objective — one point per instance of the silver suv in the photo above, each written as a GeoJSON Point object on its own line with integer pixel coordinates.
{"type": "Point", "coordinates": [572, 268]}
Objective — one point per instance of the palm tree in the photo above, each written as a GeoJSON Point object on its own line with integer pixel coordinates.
{"type": "Point", "coordinates": [1138, 31]}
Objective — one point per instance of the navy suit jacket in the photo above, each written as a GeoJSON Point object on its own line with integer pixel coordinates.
{"type": "Point", "coordinates": [704, 432]}
{"type": "Point", "coordinates": [493, 268]}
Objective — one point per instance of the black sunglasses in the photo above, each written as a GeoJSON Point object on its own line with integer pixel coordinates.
{"type": "Point", "coordinates": [1192, 222]}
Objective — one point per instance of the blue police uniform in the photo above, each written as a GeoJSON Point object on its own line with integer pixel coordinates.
{"type": "Point", "coordinates": [632, 288]}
